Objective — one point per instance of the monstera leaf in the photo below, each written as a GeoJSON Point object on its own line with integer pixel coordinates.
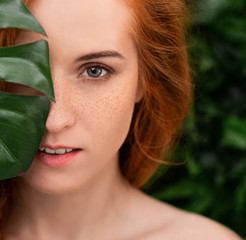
{"type": "Point", "coordinates": [14, 14]}
{"type": "Point", "coordinates": [28, 65]}
{"type": "Point", "coordinates": [22, 118]}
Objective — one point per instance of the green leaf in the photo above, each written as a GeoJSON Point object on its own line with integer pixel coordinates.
{"type": "Point", "coordinates": [22, 122]}
{"type": "Point", "coordinates": [234, 133]}
{"type": "Point", "coordinates": [14, 14]}
{"type": "Point", "coordinates": [240, 195]}
{"type": "Point", "coordinates": [179, 190]}
{"type": "Point", "coordinates": [28, 65]}
{"type": "Point", "coordinates": [193, 167]}
{"type": "Point", "coordinates": [207, 11]}
{"type": "Point", "coordinates": [22, 118]}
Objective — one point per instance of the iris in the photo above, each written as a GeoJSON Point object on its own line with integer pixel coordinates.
{"type": "Point", "coordinates": [94, 72]}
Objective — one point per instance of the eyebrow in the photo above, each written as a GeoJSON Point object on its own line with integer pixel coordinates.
{"type": "Point", "coordinates": [102, 54]}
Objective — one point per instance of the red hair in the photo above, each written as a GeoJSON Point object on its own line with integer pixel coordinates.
{"type": "Point", "coordinates": [159, 34]}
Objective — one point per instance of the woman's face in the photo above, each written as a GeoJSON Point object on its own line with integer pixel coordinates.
{"type": "Point", "coordinates": [94, 69]}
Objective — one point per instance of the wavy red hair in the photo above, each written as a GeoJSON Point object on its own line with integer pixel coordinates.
{"type": "Point", "coordinates": [159, 34]}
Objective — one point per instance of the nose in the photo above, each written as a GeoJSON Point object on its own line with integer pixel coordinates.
{"type": "Point", "coordinates": [61, 115]}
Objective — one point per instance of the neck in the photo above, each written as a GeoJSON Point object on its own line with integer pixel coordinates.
{"type": "Point", "coordinates": [94, 206]}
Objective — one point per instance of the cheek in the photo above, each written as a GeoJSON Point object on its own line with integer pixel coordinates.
{"type": "Point", "coordinates": [108, 113]}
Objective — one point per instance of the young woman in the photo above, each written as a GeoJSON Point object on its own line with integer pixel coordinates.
{"type": "Point", "coordinates": [122, 88]}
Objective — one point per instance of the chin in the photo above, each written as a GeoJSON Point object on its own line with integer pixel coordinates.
{"type": "Point", "coordinates": [50, 182]}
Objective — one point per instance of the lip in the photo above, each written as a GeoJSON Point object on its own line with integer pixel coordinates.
{"type": "Point", "coordinates": [56, 160]}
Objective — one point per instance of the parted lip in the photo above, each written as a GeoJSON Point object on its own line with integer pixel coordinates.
{"type": "Point", "coordinates": [58, 147]}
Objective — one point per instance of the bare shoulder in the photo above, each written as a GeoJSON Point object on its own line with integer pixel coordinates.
{"type": "Point", "coordinates": [168, 222]}
{"type": "Point", "coordinates": [191, 226]}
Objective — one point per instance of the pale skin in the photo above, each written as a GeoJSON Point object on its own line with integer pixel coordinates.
{"type": "Point", "coordinates": [88, 198]}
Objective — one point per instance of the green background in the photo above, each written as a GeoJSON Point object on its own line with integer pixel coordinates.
{"type": "Point", "coordinates": [213, 180]}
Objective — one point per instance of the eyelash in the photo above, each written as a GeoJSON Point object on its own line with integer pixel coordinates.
{"type": "Point", "coordinates": [84, 68]}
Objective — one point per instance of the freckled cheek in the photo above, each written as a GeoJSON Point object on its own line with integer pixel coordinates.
{"type": "Point", "coordinates": [107, 115]}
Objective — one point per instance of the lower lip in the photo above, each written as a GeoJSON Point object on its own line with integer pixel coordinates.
{"type": "Point", "coordinates": [56, 160]}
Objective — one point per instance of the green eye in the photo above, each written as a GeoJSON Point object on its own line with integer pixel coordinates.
{"type": "Point", "coordinates": [95, 72]}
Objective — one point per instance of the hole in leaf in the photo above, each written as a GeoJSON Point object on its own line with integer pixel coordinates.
{"type": "Point", "coordinates": [19, 89]}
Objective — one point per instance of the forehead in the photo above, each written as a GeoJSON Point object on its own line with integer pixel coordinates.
{"type": "Point", "coordinates": [91, 23]}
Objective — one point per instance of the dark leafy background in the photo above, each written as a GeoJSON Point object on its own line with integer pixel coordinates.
{"type": "Point", "coordinates": [213, 181]}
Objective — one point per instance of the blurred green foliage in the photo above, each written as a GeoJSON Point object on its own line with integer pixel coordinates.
{"type": "Point", "coordinates": [213, 180]}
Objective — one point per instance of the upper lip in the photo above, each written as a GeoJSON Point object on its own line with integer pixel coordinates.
{"type": "Point", "coordinates": [57, 147]}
